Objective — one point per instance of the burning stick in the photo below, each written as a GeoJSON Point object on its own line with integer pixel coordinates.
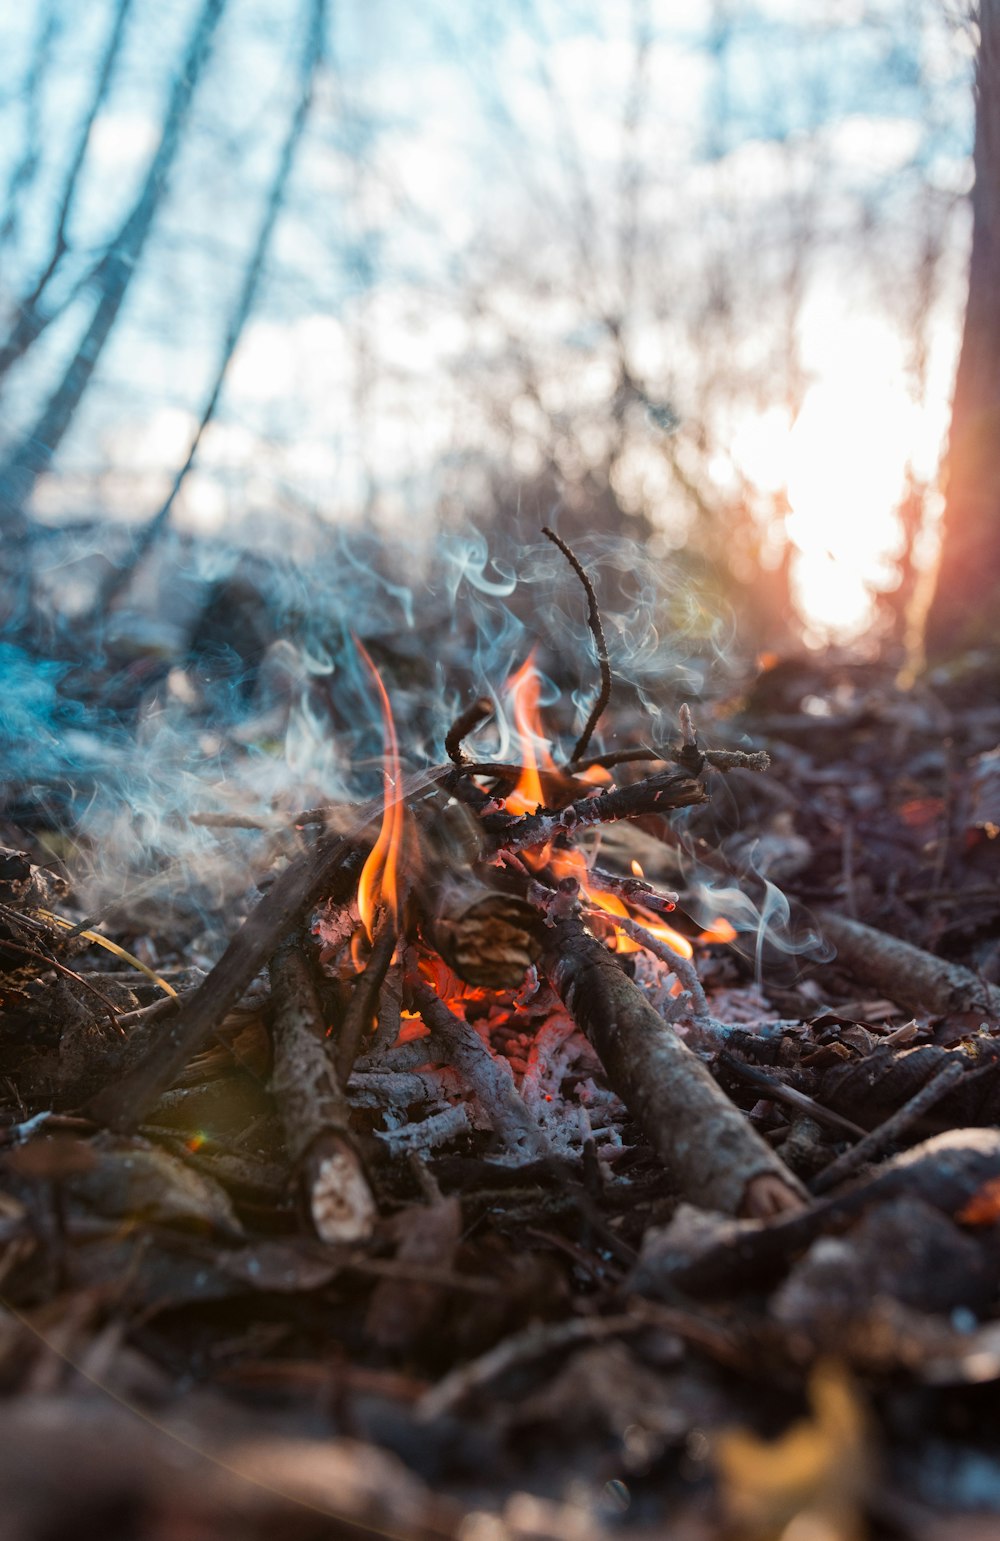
{"type": "Point", "coordinates": [465, 723]}
{"type": "Point", "coordinates": [313, 1107]}
{"type": "Point", "coordinates": [490, 1078]}
{"type": "Point", "coordinates": [363, 1004]}
{"type": "Point", "coordinates": [713, 1154]}
{"type": "Point", "coordinates": [656, 794]}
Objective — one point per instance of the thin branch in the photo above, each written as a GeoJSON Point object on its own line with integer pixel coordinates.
{"type": "Point", "coordinates": [26, 167]}
{"type": "Point", "coordinates": [776, 1091]}
{"type": "Point", "coordinates": [465, 723]}
{"type": "Point", "coordinates": [363, 1005]}
{"type": "Point", "coordinates": [30, 321]}
{"type": "Point", "coordinates": [33, 456]}
{"type": "Point", "coordinates": [597, 631]}
{"type": "Point", "coordinates": [874, 1143]}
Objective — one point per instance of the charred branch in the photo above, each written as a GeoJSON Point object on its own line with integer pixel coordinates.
{"type": "Point", "coordinates": [465, 723]}
{"type": "Point", "coordinates": [597, 632]}
{"type": "Point", "coordinates": [655, 794]}
{"type": "Point", "coordinates": [362, 1007]}
{"type": "Point", "coordinates": [713, 1155]}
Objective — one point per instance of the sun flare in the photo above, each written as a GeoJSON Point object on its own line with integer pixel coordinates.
{"type": "Point", "coordinates": [843, 464]}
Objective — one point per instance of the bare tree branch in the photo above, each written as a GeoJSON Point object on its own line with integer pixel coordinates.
{"type": "Point", "coordinates": [30, 322]}
{"type": "Point", "coordinates": [311, 57]}
{"type": "Point", "coordinates": [33, 456]}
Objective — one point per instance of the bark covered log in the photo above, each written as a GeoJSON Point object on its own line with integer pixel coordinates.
{"type": "Point", "coordinates": [714, 1156]}
{"type": "Point", "coordinates": [313, 1106]}
{"type": "Point", "coordinates": [908, 974]}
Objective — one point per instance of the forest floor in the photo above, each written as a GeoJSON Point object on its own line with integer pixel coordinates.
{"type": "Point", "coordinates": [544, 1327]}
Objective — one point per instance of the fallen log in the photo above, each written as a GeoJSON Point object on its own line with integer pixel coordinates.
{"type": "Point", "coordinates": [714, 1156]}
{"type": "Point", "coordinates": [907, 974]}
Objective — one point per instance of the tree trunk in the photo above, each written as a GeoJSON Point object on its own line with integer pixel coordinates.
{"type": "Point", "coordinates": [966, 605]}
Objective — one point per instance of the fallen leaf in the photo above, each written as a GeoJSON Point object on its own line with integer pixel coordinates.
{"type": "Point", "coordinates": [819, 1468]}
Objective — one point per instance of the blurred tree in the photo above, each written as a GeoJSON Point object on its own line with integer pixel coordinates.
{"type": "Point", "coordinates": [965, 610]}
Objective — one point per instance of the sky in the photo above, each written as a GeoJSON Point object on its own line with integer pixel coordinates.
{"type": "Point", "coordinates": [756, 209]}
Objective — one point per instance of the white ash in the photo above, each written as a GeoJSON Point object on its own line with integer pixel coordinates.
{"type": "Point", "coordinates": [746, 1006]}
{"type": "Point", "coordinates": [436, 1129]}
{"type": "Point", "coordinates": [569, 1122]}
{"type": "Point", "coordinates": [402, 1088]}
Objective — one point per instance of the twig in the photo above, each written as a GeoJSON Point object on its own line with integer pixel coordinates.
{"type": "Point", "coordinates": [313, 1107]}
{"type": "Point", "coordinates": [633, 890]}
{"type": "Point", "coordinates": [490, 1078]}
{"type": "Point", "coordinates": [597, 632]}
{"type": "Point", "coordinates": [533, 1342]}
{"type": "Point", "coordinates": [543, 1338]}
{"type": "Point", "coordinates": [712, 1153]}
{"type": "Point", "coordinates": [389, 1009]}
{"type": "Point", "coordinates": [718, 759]}
{"type": "Point", "coordinates": [681, 966]}
{"type": "Point", "coordinates": [465, 723]}
{"type": "Point", "coordinates": [875, 1142]}
{"type": "Point", "coordinates": [437, 1129]}
{"type": "Point", "coordinates": [364, 998]}
{"type": "Point", "coordinates": [60, 968]}
{"type": "Point", "coordinates": [777, 1091]}
{"type": "Point", "coordinates": [655, 794]}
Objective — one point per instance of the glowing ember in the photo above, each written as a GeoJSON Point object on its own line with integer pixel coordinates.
{"type": "Point", "coordinates": [379, 882]}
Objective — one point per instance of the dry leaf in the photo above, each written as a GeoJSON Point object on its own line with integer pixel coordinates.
{"type": "Point", "coordinates": [816, 1473]}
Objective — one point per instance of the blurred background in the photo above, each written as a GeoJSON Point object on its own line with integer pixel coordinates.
{"type": "Point", "coordinates": [689, 272]}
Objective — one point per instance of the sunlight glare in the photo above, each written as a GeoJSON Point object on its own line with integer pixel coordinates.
{"type": "Point", "coordinates": [843, 466]}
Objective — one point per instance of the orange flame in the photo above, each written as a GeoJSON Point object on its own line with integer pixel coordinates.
{"type": "Point", "coordinates": [571, 863]}
{"type": "Point", "coordinates": [528, 795]}
{"type": "Point", "coordinates": [720, 930]}
{"type": "Point", "coordinates": [673, 939]}
{"type": "Point", "coordinates": [523, 688]}
{"type": "Point", "coordinates": [379, 881]}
